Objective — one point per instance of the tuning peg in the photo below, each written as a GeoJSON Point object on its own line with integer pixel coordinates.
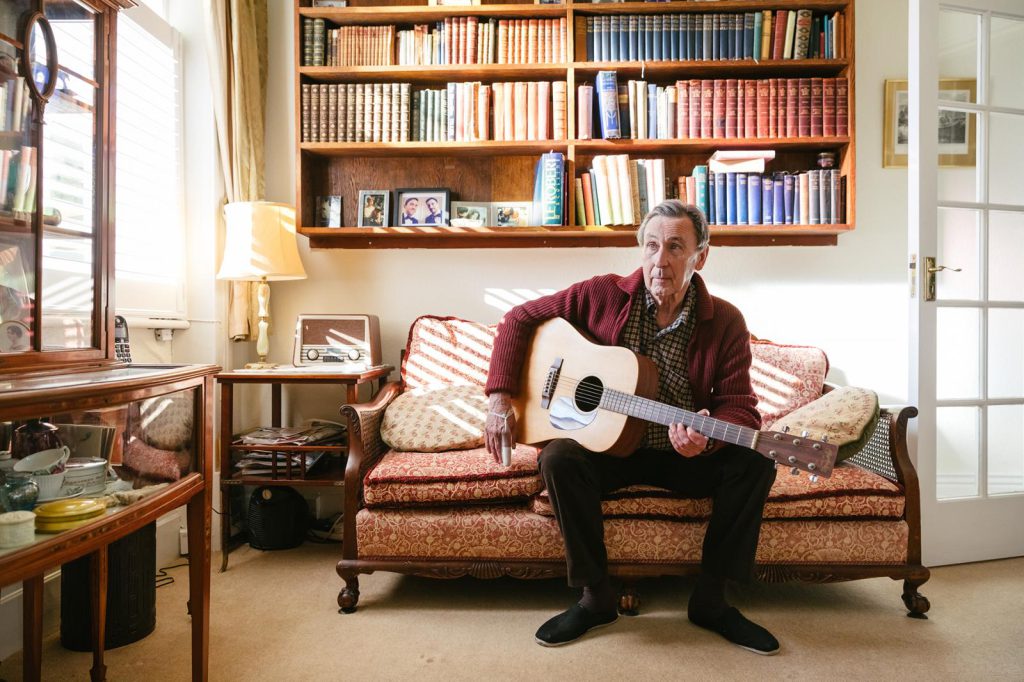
{"type": "Point", "coordinates": [795, 471]}
{"type": "Point", "coordinates": [811, 466]}
{"type": "Point", "coordinates": [824, 439]}
{"type": "Point", "coordinates": [791, 459]}
{"type": "Point", "coordinates": [803, 434]}
{"type": "Point", "coordinates": [813, 478]}
{"type": "Point", "coordinates": [785, 429]}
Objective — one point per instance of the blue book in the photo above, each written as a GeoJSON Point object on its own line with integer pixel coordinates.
{"type": "Point", "coordinates": [707, 38]}
{"type": "Point", "coordinates": [724, 35]}
{"type": "Point", "coordinates": [826, 26]}
{"type": "Point", "coordinates": [730, 199]}
{"type": "Point", "coordinates": [590, 39]}
{"type": "Point", "coordinates": [673, 38]}
{"type": "Point", "coordinates": [700, 181]}
{"type": "Point", "coordinates": [711, 199]}
{"type": "Point", "coordinates": [652, 111]}
{"type": "Point", "coordinates": [741, 198]}
{"type": "Point", "coordinates": [778, 199]}
{"type": "Point", "coordinates": [552, 192]}
{"type": "Point", "coordinates": [649, 39]}
{"type": "Point", "coordinates": [624, 122]}
{"type": "Point", "coordinates": [685, 22]}
{"type": "Point", "coordinates": [748, 35]}
{"type": "Point", "coordinates": [634, 32]}
{"type": "Point", "coordinates": [753, 198]}
{"type": "Point", "coordinates": [607, 91]}
{"type": "Point", "coordinates": [614, 39]}
{"type": "Point", "coordinates": [767, 184]}
{"type": "Point", "coordinates": [641, 184]}
{"type": "Point", "coordinates": [624, 38]}
{"type": "Point", "coordinates": [797, 218]}
{"type": "Point", "coordinates": [656, 31]}
{"type": "Point", "coordinates": [720, 198]}
{"type": "Point", "coordinates": [642, 38]}
{"type": "Point", "coordinates": [598, 30]}
{"type": "Point", "coordinates": [788, 196]}
{"type": "Point", "coordinates": [606, 39]}
{"type": "Point", "coordinates": [737, 41]}
{"type": "Point", "coordinates": [666, 37]}
{"type": "Point", "coordinates": [758, 24]}
{"type": "Point", "coordinates": [716, 21]}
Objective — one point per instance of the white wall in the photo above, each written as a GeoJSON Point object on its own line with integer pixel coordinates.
{"type": "Point", "coordinates": [850, 299]}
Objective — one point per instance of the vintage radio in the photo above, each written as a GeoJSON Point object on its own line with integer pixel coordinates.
{"type": "Point", "coordinates": [347, 341]}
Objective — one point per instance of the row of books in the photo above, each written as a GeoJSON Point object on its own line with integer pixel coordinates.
{"type": "Point", "coordinates": [355, 112]}
{"type": "Point", "coordinates": [713, 108]}
{"type": "Point", "coordinates": [15, 104]}
{"type": "Point", "coordinates": [347, 45]}
{"type": "Point", "coordinates": [783, 34]}
{"type": "Point", "coordinates": [467, 40]}
{"type": "Point", "coordinates": [813, 197]}
{"type": "Point", "coordinates": [18, 179]}
{"type": "Point", "coordinates": [617, 190]}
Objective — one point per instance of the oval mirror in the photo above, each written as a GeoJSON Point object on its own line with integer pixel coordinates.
{"type": "Point", "coordinates": [39, 56]}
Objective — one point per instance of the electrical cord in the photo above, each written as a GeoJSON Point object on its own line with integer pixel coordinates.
{"type": "Point", "coordinates": [162, 578]}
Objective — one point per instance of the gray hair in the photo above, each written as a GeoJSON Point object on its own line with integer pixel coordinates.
{"type": "Point", "coordinates": [673, 209]}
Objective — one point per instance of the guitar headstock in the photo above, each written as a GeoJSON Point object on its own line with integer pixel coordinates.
{"type": "Point", "coordinates": [798, 452]}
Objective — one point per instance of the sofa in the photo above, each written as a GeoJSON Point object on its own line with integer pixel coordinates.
{"type": "Point", "coordinates": [447, 513]}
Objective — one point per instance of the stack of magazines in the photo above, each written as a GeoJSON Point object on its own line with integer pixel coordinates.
{"type": "Point", "coordinates": [286, 463]}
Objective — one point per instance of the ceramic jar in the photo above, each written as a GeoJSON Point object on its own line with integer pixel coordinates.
{"type": "Point", "coordinates": [19, 491]}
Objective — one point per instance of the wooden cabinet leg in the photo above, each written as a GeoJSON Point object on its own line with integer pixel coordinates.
{"type": "Point", "coordinates": [199, 582]}
{"type": "Point", "coordinates": [98, 602]}
{"type": "Point", "coordinates": [32, 628]}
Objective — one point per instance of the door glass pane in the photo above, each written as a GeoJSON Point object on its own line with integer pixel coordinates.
{"type": "Point", "coordinates": [958, 248]}
{"type": "Point", "coordinates": [956, 443]}
{"type": "Point", "coordinates": [1006, 140]}
{"type": "Point", "coordinates": [74, 31]}
{"type": "Point", "coordinates": [1006, 353]}
{"type": "Point", "coordinates": [958, 176]}
{"type": "Point", "coordinates": [1006, 45]}
{"type": "Point", "coordinates": [957, 350]}
{"type": "Point", "coordinates": [1005, 255]}
{"type": "Point", "coordinates": [1005, 449]}
{"type": "Point", "coordinates": [67, 291]}
{"type": "Point", "coordinates": [958, 47]}
{"type": "Point", "coordinates": [11, 13]}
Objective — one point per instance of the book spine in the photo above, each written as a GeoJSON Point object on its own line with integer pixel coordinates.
{"type": "Point", "coordinates": [306, 106]}
{"type": "Point", "coordinates": [718, 108]}
{"type": "Point", "coordinates": [730, 198]}
{"type": "Point", "coordinates": [731, 88]}
{"type": "Point", "coordinates": [559, 108]}
{"type": "Point", "coordinates": [754, 198]}
{"type": "Point", "coordinates": [779, 34]}
{"type": "Point", "coordinates": [792, 107]}
{"type": "Point", "coordinates": [588, 200]}
{"type": "Point", "coordinates": [624, 118]}
{"type": "Point", "coordinates": [531, 111]}
{"type": "Point", "coordinates": [778, 199]}
{"type": "Point", "coordinates": [521, 109]}
{"type": "Point", "coordinates": [767, 186]}
{"type": "Point", "coordinates": [700, 178]}
{"type": "Point", "coordinates": [804, 201]}
{"type": "Point", "coordinates": [763, 119]}
{"type": "Point", "coordinates": [652, 111]}
{"type": "Point", "coordinates": [741, 198]}
{"type": "Point", "coordinates": [584, 112]}
{"type": "Point", "coordinates": [332, 113]}
{"type": "Point", "coordinates": [828, 107]}
{"type": "Point", "coordinates": [780, 114]}
{"type": "Point", "coordinates": [721, 198]}
{"type": "Point", "coordinates": [544, 110]}
{"type": "Point", "coordinates": [813, 204]}
{"type": "Point", "coordinates": [834, 197]}
{"type": "Point", "coordinates": [788, 198]}
{"type": "Point", "coordinates": [608, 107]}
{"type": "Point", "coordinates": [683, 109]}
{"type": "Point", "coordinates": [581, 215]}
{"type": "Point", "coordinates": [773, 107]}
{"type": "Point", "coordinates": [816, 105]}
{"type": "Point", "coordinates": [842, 106]}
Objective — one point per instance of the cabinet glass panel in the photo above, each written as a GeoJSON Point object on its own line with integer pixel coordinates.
{"type": "Point", "coordinates": [11, 16]}
{"type": "Point", "coordinates": [18, 195]}
{"type": "Point", "coordinates": [69, 199]}
{"type": "Point", "coordinates": [1005, 449]}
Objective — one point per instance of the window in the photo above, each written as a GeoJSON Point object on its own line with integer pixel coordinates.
{"type": "Point", "coordinates": [150, 248]}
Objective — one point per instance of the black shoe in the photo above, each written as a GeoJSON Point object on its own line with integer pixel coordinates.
{"type": "Point", "coordinates": [572, 624]}
{"type": "Point", "coordinates": [731, 624]}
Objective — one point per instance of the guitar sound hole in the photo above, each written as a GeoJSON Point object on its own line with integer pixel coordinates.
{"type": "Point", "coordinates": [588, 394]}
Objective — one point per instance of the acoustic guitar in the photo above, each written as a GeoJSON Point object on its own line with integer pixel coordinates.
{"type": "Point", "coordinates": [601, 397]}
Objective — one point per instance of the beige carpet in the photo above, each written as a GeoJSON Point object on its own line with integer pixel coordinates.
{"type": "Point", "coordinates": [274, 617]}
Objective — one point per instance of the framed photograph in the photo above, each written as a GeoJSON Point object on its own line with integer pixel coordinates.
{"type": "Point", "coordinates": [511, 213]}
{"type": "Point", "coordinates": [957, 134]}
{"type": "Point", "coordinates": [15, 337]}
{"type": "Point", "coordinates": [471, 213]}
{"type": "Point", "coordinates": [374, 207]}
{"type": "Point", "coordinates": [422, 206]}
{"type": "Point", "coordinates": [328, 211]}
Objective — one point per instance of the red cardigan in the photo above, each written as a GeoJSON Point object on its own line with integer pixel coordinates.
{"type": "Point", "coordinates": [719, 351]}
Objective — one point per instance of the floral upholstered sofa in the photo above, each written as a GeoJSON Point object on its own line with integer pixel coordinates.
{"type": "Point", "coordinates": [452, 511]}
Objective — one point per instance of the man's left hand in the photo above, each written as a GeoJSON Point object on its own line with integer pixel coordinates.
{"type": "Point", "coordinates": [686, 441]}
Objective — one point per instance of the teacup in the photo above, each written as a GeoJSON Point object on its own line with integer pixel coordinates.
{"type": "Point", "coordinates": [45, 461]}
{"type": "Point", "coordinates": [49, 485]}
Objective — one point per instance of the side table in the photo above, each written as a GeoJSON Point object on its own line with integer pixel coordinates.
{"type": "Point", "coordinates": [333, 474]}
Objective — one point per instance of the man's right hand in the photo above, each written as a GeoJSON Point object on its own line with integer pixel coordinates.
{"type": "Point", "coordinates": [499, 426]}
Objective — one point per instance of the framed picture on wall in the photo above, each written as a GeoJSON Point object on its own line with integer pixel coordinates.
{"type": "Point", "coordinates": [957, 132]}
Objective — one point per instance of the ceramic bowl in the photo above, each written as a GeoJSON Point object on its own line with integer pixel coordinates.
{"type": "Point", "coordinates": [44, 461]}
{"type": "Point", "coordinates": [49, 485]}
{"type": "Point", "coordinates": [88, 472]}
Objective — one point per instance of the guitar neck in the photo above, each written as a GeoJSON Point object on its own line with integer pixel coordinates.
{"type": "Point", "coordinates": [660, 413]}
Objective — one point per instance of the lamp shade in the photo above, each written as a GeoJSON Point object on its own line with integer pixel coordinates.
{"type": "Point", "coordinates": [260, 242]}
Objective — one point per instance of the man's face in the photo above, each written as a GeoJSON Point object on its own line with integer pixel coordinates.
{"type": "Point", "coordinates": [432, 205]}
{"type": "Point", "coordinates": [670, 256]}
{"type": "Point", "coordinates": [411, 205]}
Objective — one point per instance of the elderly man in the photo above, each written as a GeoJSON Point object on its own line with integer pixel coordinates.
{"type": "Point", "coordinates": [701, 348]}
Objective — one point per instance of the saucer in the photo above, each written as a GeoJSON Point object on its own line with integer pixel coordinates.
{"type": "Point", "coordinates": [65, 493]}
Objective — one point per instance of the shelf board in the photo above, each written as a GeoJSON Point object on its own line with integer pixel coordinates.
{"type": "Point", "coordinates": [421, 13]}
{"type": "Point", "coordinates": [442, 73]}
{"type": "Point", "coordinates": [329, 473]}
{"type": "Point", "coordinates": [566, 236]}
{"type": "Point", "coordinates": [483, 148]}
{"type": "Point", "coordinates": [721, 67]}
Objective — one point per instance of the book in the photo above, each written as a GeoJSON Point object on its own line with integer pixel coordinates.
{"type": "Point", "coordinates": [754, 198]}
{"type": "Point", "coordinates": [551, 178]}
{"type": "Point", "coordinates": [607, 91]}
{"type": "Point", "coordinates": [740, 160]}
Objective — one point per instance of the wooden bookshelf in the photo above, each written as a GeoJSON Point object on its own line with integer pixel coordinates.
{"type": "Point", "coordinates": [495, 170]}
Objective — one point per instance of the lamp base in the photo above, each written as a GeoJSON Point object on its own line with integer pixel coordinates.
{"type": "Point", "coordinates": [261, 365]}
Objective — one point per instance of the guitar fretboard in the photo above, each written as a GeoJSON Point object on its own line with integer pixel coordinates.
{"type": "Point", "coordinates": [660, 413]}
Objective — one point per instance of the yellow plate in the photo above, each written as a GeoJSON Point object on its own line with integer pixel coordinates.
{"type": "Point", "coordinates": [59, 526]}
{"type": "Point", "coordinates": [69, 510]}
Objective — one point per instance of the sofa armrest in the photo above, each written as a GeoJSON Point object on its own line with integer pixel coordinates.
{"type": "Point", "coordinates": [365, 448]}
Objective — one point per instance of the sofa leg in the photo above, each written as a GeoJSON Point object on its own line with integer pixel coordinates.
{"type": "Point", "coordinates": [349, 595]}
{"type": "Point", "coordinates": [916, 603]}
{"type": "Point", "coordinates": [629, 600]}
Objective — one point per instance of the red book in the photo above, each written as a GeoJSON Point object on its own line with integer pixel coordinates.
{"type": "Point", "coordinates": [718, 110]}
{"type": "Point", "coordinates": [773, 107]}
{"type": "Point", "coordinates": [803, 114]}
{"type": "Point", "coordinates": [828, 107]}
{"type": "Point", "coordinates": [695, 108]}
{"type": "Point", "coordinates": [792, 106]}
{"type": "Point", "coordinates": [449, 30]}
{"type": "Point", "coordinates": [816, 114]}
{"type": "Point", "coordinates": [471, 24]}
{"type": "Point", "coordinates": [750, 108]}
{"type": "Point", "coordinates": [763, 92]}
{"type": "Point", "coordinates": [730, 107]}
{"type": "Point", "coordinates": [740, 92]}
{"type": "Point", "coordinates": [707, 105]}
{"type": "Point", "coordinates": [779, 33]}
{"type": "Point", "coordinates": [682, 109]}
{"type": "Point", "coordinates": [588, 200]}
{"type": "Point", "coordinates": [780, 115]}
{"type": "Point", "coordinates": [842, 107]}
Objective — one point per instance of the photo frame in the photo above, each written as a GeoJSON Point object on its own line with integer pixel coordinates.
{"type": "Point", "coordinates": [374, 208]}
{"type": "Point", "coordinates": [15, 337]}
{"type": "Point", "coordinates": [957, 130]}
{"type": "Point", "coordinates": [471, 213]}
{"type": "Point", "coordinates": [511, 213]}
{"type": "Point", "coordinates": [422, 206]}
{"type": "Point", "coordinates": [328, 211]}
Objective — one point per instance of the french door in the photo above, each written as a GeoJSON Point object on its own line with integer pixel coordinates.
{"type": "Point", "coordinates": [966, 227]}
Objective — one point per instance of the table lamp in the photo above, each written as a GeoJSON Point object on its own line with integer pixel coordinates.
{"type": "Point", "coordinates": [260, 246]}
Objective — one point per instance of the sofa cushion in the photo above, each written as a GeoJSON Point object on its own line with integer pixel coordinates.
{"type": "Point", "coordinates": [447, 350]}
{"type": "Point", "coordinates": [439, 478]}
{"type": "Point", "coordinates": [785, 377]}
{"type": "Point", "coordinates": [851, 492]}
{"type": "Point", "coordinates": [436, 419]}
{"type": "Point", "coordinates": [847, 415]}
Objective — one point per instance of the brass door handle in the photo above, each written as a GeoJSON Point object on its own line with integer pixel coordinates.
{"type": "Point", "coordinates": [939, 268]}
{"type": "Point", "coordinates": [930, 268]}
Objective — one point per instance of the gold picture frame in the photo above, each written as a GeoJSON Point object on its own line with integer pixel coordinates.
{"type": "Point", "coordinates": [957, 130]}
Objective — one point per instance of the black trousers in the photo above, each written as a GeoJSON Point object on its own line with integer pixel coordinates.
{"type": "Point", "coordinates": [736, 478]}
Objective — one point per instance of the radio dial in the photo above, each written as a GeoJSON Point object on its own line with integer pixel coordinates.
{"type": "Point", "coordinates": [353, 354]}
{"type": "Point", "coordinates": [312, 354]}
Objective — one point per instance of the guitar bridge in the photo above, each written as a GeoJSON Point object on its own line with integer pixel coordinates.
{"type": "Point", "coordinates": [549, 385]}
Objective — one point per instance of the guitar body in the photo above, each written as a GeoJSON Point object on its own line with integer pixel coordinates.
{"type": "Point", "coordinates": [568, 410]}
